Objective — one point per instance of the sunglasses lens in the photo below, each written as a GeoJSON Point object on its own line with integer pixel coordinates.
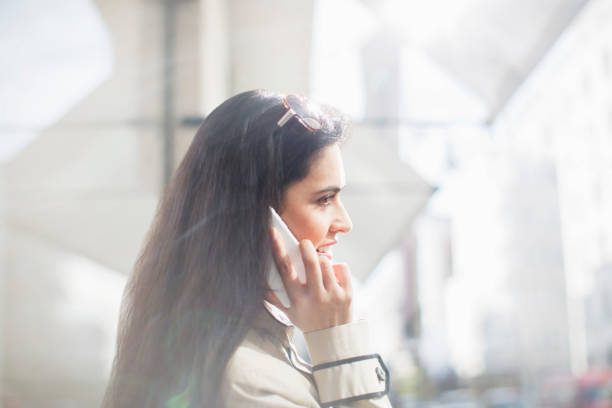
{"type": "Point", "coordinates": [312, 123]}
{"type": "Point", "coordinates": [299, 107]}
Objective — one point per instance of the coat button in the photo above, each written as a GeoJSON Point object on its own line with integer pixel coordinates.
{"type": "Point", "coordinates": [380, 374]}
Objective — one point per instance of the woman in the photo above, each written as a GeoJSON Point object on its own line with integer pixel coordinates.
{"type": "Point", "coordinates": [199, 326]}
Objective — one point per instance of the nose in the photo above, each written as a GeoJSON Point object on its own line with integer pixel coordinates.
{"type": "Point", "coordinates": [342, 221]}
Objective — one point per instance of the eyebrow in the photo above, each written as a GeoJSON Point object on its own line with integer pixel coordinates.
{"type": "Point", "coordinates": [328, 189]}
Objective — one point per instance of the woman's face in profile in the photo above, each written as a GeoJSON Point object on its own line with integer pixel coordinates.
{"type": "Point", "coordinates": [312, 208]}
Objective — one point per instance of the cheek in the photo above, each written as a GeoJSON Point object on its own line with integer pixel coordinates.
{"type": "Point", "coordinates": [307, 225]}
{"type": "Point", "coordinates": [315, 229]}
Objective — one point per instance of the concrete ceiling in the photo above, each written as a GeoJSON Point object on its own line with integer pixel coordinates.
{"type": "Point", "coordinates": [490, 46]}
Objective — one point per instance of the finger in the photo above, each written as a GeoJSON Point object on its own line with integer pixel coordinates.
{"type": "Point", "coordinates": [311, 266]}
{"type": "Point", "coordinates": [343, 276]}
{"type": "Point", "coordinates": [327, 272]}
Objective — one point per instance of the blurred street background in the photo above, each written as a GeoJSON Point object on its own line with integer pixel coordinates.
{"type": "Point", "coordinates": [479, 179]}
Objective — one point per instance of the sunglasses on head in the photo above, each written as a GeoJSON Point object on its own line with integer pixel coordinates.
{"type": "Point", "coordinates": [298, 107]}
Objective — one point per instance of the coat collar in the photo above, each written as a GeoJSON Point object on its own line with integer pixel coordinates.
{"type": "Point", "coordinates": [272, 321]}
{"type": "Point", "coordinates": [277, 314]}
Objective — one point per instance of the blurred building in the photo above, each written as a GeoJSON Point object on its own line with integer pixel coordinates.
{"type": "Point", "coordinates": [529, 252]}
{"type": "Point", "coordinates": [598, 315]}
{"type": "Point", "coordinates": [533, 267]}
{"type": "Point", "coordinates": [561, 118]}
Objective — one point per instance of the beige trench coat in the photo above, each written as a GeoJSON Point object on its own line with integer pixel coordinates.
{"type": "Point", "coordinates": [265, 371]}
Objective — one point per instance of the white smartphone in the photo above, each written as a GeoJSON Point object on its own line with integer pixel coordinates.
{"type": "Point", "coordinates": [293, 250]}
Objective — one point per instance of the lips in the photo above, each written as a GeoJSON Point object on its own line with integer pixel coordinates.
{"type": "Point", "coordinates": [326, 254]}
{"type": "Point", "coordinates": [325, 250]}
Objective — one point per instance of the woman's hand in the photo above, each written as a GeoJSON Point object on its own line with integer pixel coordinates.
{"type": "Point", "coordinates": [324, 300]}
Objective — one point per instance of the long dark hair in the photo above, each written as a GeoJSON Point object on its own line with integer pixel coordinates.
{"type": "Point", "coordinates": [200, 277]}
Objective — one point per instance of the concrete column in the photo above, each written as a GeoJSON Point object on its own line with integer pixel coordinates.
{"type": "Point", "coordinates": [214, 53]}
{"type": "Point", "coordinates": [270, 45]}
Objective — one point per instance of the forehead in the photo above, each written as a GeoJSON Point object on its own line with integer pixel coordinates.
{"type": "Point", "coordinates": [327, 168]}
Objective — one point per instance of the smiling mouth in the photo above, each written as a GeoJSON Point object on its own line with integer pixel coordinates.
{"type": "Point", "coordinates": [325, 251]}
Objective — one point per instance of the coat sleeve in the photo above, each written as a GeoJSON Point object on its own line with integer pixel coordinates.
{"type": "Point", "coordinates": [345, 374]}
{"type": "Point", "coordinates": [345, 370]}
{"type": "Point", "coordinates": [255, 378]}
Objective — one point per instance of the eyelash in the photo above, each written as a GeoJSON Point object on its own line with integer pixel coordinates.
{"type": "Point", "coordinates": [324, 201]}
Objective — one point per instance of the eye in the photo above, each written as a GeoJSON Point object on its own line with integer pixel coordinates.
{"type": "Point", "coordinates": [325, 200]}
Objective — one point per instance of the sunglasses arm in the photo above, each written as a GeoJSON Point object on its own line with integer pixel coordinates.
{"type": "Point", "coordinates": [288, 115]}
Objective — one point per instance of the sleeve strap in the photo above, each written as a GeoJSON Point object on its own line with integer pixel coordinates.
{"type": "Point", "coordinates": [368, 374]}
{"type": "Point", "coordinates": [344, 366]}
